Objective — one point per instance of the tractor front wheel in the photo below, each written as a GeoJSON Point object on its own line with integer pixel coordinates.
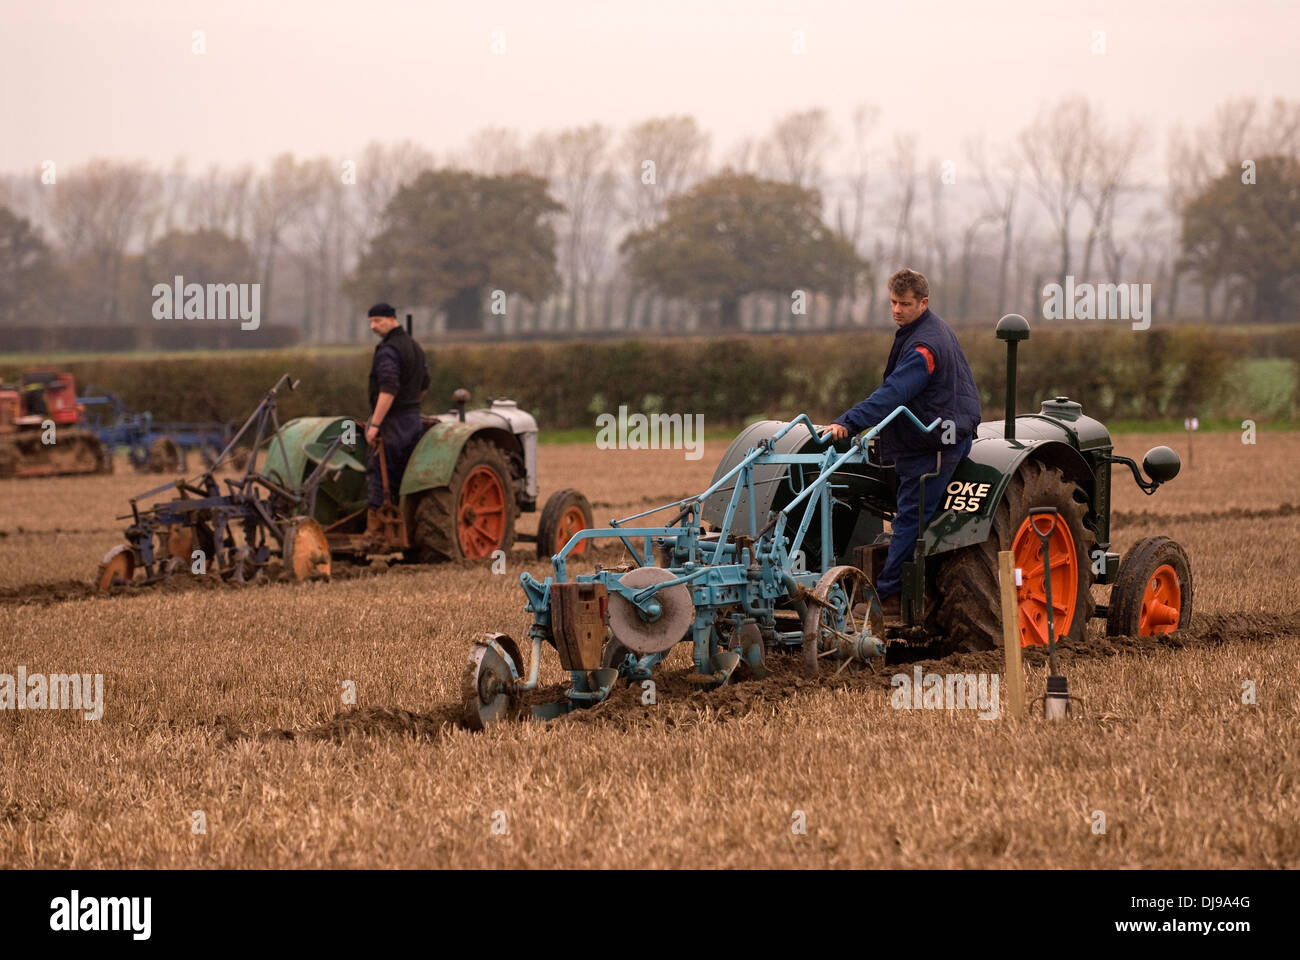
{"type": "Point", "coordinates": [1153, 592]}
{"type": "Point", "coordinates": [969, 610]}
{"type": "Point", "coordinates": [474, 515]}
{"type": "Point", "coordinates": [565, 513]}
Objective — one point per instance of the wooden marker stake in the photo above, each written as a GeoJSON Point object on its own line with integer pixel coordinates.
{"type": "Point", "coordinates": [1015, 676]}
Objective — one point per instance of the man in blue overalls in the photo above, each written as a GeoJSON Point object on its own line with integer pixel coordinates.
{"type": "Point", "coordinates": [928, 373]}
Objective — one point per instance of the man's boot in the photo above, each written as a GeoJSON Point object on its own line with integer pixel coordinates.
{"type": "Point", "coordinates": [374, 535]}
{"type": "Point", "coordinates": [892, 607]}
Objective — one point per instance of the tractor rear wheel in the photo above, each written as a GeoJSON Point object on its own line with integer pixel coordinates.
{"type": "Point", "coordinates": [474, 515]}
{"type": "Point", "coordinates": [969, 610]}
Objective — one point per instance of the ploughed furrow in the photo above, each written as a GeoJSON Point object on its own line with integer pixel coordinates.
{"type": "Point", "coordinates": [1127, 517]}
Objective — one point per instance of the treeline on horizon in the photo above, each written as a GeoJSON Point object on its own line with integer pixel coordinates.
{"type": "Point", "coordinates": [586, 230]}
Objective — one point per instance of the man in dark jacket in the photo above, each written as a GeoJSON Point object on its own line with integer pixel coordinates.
{"type": "Point", "coordinates": [399, 375]}
{"type": "Point", "coordinates": [928, 373]}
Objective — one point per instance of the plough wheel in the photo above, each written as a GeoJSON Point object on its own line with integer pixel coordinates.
{"type": "Point", "coordinates": [306, 551]}
{"type": "Point", "coordinates": [180, 542]}
{"type": "Point", "coordinates": [118, 568]}
{"type": "Point", "coordinates": [565, 513]}
{"type": "Point", "coordinates": [487, 688]}
{"type": "Point", "coordinates": [841, 606]}
{"type": "Point", "coordinates": [165, 456]}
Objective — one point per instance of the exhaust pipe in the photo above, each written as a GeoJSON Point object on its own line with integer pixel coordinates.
{"type": "Point", "coordinates": [1012, 328]}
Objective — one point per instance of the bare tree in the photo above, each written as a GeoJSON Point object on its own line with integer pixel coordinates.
{"type": "Point", "coordinates": [494, 151]}
{"type": "Point", "coordinates": [968, 238]}
{"type": "Point", "coordinates": [903, 164]}
{"type": "Point", "coordinates": [381, 172]}
{"type": "Point", "coordinates": [742, 157]}
{"type": "Point", "coordinates": [281, 196]}
{"type": "Point", "coordinates": [1000, 181]}
{"type": "Point", "coordinates": [100, 211]}
{"type": "Point", "coordinates": [865, 116]}
{"type": "Point", "coordinates": [576, 162]}
{"type": "Point", "coordinates": [319, 241]}
{"type": "Point", "coordinates": [1112, 156]}
{"type": "Point", "coordinates": [221, 200]}
{"type": "Point", "coordinates": [937, 238]}
{"type": "Point", "coordinates": [1058, 148]}
{"type": "Point", "coordinates": [796, 148]}
{"type": "Point", "coordinates": [658, 159]}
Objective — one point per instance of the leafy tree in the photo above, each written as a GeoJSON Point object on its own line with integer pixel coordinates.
{"type": "Point", "coordinates": [201, 256]}
{"type": "Point", "coordinates": [26, 268]}
{"type": "Point", "coordinates": [1249, 234]}
{"type": "Point", "coordinates": [736, 234]}
{"type": "Point", "coordinates": [450, 235]}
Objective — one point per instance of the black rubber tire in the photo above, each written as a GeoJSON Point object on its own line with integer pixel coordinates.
{"type": "Point", "coordinates": [969, 609]}
{"type": "Point", "coordinates": [434, 537]}
{"type": "Point", "coordinates": [1140, 563]}
{"type": "Point", "coordinates": [549, 523]}
{"type": "Point", "coordinates": [165, 456]}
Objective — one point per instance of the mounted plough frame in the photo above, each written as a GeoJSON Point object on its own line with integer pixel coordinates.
{"type": "Point", "coordinates": [196, 530]}
{"type": "Point", "coordinates": [733, 597]}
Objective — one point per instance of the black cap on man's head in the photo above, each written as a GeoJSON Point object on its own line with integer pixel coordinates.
{"type": "Point", "coordinates": [382, 310]}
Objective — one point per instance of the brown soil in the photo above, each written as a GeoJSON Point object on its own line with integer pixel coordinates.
{"type": "Point", "coordinates": [1125, 517]}
{"type": "Point", "coordinates": [686, 703]}
{"type": "Point", "coordinates": [365, 721]}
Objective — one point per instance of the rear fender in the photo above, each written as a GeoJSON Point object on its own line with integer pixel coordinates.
{"type": "Point", "coordinates": [982, 479]}
{"type": "Point", "coordinates": [434, 458]}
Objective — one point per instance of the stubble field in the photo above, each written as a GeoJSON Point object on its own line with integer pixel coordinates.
{"type": "Point", "coordinates": [227, 700]}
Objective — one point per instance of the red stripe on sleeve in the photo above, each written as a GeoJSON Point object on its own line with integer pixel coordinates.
{"type": "Point", "coordinates": [929, 358]}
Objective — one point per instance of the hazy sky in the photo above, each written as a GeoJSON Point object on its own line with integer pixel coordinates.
{"type": "Point", "coordinates": [119, 79]}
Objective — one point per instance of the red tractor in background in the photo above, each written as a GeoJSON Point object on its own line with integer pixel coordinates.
{"type": "Point", "coordinates": [41, 431]}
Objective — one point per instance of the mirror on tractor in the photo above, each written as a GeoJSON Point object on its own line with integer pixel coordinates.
{"type": "Point", "coordinates": [1161, 464]}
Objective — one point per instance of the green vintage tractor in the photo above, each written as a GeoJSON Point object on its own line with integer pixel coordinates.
{"type": "Point", "coordinates": [470, 476]}
{"type": "Point", "coordinates": [1056, 459]}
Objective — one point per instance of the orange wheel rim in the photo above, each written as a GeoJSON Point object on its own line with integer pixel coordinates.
{"type": "Point", "coordinates": [311, 552]}
{"type": "Point", "coordinates": [481, 517]}
{"type": "Point", "coordinates": [180, 541]}
{"type": "Point", "coordinates": [1161, 602]}
{"type": "Point", "coordinates": [1032, 593]}
{"type": "Point", "coordinates": [118, 569]}
{"type": "Point", "coordinates": [570, 523]}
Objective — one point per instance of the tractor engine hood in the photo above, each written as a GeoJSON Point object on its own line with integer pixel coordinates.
{"type": "Point", "coordinates": [504, 414]}
{"type": "Point", "coordinates": [1057, 419]}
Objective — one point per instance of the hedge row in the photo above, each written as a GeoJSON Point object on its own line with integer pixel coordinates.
{"type": "Point", "coordinates": [1120, 374]}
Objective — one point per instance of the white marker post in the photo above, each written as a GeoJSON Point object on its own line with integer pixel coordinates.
{"type": "Point", "coordinates": [1190, 424]}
